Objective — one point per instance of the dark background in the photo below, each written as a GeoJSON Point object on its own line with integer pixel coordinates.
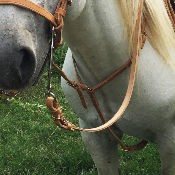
{"type": "Point", "coordinates": [173, 4]}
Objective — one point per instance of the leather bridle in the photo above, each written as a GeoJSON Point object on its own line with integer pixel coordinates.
{"type": "Point", "coordinates": [57, 22]}
{"type": "Point", "coordinates": [52, 103]}
{"type": "Point", "coordinates": [55, 108]}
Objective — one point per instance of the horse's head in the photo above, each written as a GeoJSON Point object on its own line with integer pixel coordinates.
{"type": "Point", "coordinates": [24, 44]}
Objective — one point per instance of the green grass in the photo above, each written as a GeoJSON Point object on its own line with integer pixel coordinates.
{"type": "Point", "coordinates": [31, 144]}
{"type": "Point", "coordinates": [145, 162]}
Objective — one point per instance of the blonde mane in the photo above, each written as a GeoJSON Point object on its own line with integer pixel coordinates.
{"type": "Point", "coordinates": [159, 29]}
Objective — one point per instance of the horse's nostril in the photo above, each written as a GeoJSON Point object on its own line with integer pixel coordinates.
{"type": "Point", "coordinates": [27, 65]}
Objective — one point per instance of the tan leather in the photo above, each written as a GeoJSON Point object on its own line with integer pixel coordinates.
{"type": "Point", "coordinates": [131, 78]}
{"type": "Point", "coordinates": [56, 111]}
{"type": "Point", "coordinates": [56, 19]}
{"type": "Point", "coordinates": [59, 16]}
{"type": "Point", "coordinates": [52, 104]}
{"type": "Point", "coordinates": [91, 92]}
{"type": "Point", "coordinates": [170, 12]}
{"type": "Point", "coordinates": [136, 46]}
{"type": "Point", "coordinates": [143, 32]}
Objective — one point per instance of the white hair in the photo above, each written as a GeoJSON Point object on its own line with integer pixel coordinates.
{"type": "Point", "coordinates": [159, 28]}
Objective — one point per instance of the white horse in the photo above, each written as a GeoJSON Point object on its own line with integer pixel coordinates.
{"type": "Point", "coordinates": [100, 34]}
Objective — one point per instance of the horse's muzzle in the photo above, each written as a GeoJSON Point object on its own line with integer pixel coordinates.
{"type": "Point", "coordinates": [17, 69]}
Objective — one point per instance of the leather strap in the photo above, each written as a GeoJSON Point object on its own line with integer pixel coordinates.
{"type": "Point", "coordinates": [143, 32]}
{"type": "Point", "coordinates": [91, 91]}
{"type": "Point", "coordinates": [31, 6]}
{"type": "Point", "coordinates": [100, 85]}
{"type": "Point", "coordinates": [170, 12]}
{"type": "Point", "coordinates": [50, 101]}
{"type": "Point", "coordinates": [136, 46]}
{"type": "Point", "coordinates": [56, 19]}
{"type": "Point", "coordinates": [59, 16]}
{"type": "Point", "coordinates": [131, 78]}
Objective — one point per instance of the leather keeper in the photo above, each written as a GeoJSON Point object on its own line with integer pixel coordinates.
{"type": "Point", "coordinates": [61, 12]}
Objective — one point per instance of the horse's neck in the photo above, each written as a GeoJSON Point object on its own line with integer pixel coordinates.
{"type": "Point", "coordinates": [95, 33]}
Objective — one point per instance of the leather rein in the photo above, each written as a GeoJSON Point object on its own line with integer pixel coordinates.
{"type": "Point", "coordinates": [57, 22]}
